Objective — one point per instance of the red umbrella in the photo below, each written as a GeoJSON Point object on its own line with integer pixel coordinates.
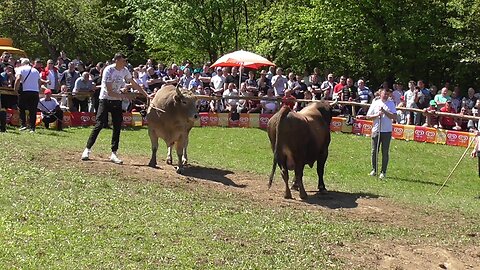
{"type": "Point", "coordinates": [242, 59]}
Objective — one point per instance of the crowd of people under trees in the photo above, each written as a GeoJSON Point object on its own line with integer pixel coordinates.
{"type": "Point", "coordinates": [82, 81]}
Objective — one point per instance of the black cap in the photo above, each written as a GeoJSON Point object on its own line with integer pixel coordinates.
{"type": "Point", "coordinates": [119, 56]}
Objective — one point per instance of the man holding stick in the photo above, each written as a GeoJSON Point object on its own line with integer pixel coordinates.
{"type": "Point", "coordinates": [382, 111]}
{"type": "Point", "coordinates": [114, 79]}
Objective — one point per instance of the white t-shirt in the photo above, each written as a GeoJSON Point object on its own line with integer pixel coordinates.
{"type": "Point", "coordinates": [49, 105]}
{"type": "Point", "coordinates": [388, 106]}
{"type": "Point", "coordinates": [217, 82]}
{"type": "Point", "coordinates": [51, 77]}
{"type": "Point", "coordinates": [117, 78]}
{"type": "Point", "coordinates": [278, 83]}
{"type": "Point", "coordinates": [31, 84]}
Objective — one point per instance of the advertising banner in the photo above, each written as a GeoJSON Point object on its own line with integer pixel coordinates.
{"type": "Point", "coordinates": [127, 120]}
{"type": "Point", "coordinates": [441, 136]}
{"type": "Point", "coordinates": [398, 132]}
{"type": "Point", "coordinates": [254, 120]}
{"type": "Point", "coordinates": [452, 137]}
{"type": "Point", "coordinates": [431, 135]}
{"type": "Point", "coordinates": [67, 119]}
{"type": "Point", "coordinates": [263, 120]}
{"type": "Point", "coordinates": [463, 139]}
{"type": "Point", "coordinates": [336, 124]}
{"type": "Point", "coordinates": [137, 119]}
{"type": "Point", "coordinates": [420, 134]}
{"type": "Point", "coordinates": [223, 119]}
{"type": "Point", "coordinates": [367, 126]}
{"type": "Point", "coordinates": [244, 120]}
{"type": "Point", "coordinates": [409, 132]}
{"type": "Point", "coordinates": [357, 126]}
{"type": "Point", "coordinates": [204, 119]}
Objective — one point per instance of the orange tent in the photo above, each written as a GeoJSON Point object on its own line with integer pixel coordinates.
{"type": "Point", "coordinates": [6, 45]}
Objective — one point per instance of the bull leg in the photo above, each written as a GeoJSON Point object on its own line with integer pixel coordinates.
{"type": "Point", "coordinates": [321, 169]}
{"type": "Point", "coordinates": [299, 181]}
{"type": "Point", "coordinates": [288, 194]}
{"type": "Point", "coordinates": [184, 153]}
{"type": "Point", "coordinates": [154, 142]}
{"type": "Point", "coordinates": [180, 148]}
{"type": "Point", "coordinates": [169, 154]}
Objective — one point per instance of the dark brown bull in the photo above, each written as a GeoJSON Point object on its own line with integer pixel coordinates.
{"type": "Point", "coordinates": [300, 138]}
{"type": "Point", "coordinates": [170, 116]}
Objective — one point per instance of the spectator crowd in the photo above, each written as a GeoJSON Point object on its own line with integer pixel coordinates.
{"type": "Point", "coordinates": [65, 77]}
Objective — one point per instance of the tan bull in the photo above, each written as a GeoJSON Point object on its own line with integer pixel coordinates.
{"type": "Point", "coordinates": [170, 116]}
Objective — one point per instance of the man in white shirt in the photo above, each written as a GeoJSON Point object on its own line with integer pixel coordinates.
{"type": "Point", "coordinates": [114, 79]}
{"type": "Point", "coordinates": [28, 98]}
{"type": "Point", "coordinates": [50, 109]}
{"type": "Point", "coordinates": [382, 111]}
{"type": "Point", "coordinates": [279, 83]}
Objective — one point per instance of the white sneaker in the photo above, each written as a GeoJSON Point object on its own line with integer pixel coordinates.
{"type": "Point", "coordinates": [373, 173]}
{"type": "Point", "coordinates": [86, 154]}
{"type": "Point", "coordinates": [382, 176]}
{"type": "Point", "coordinates": [115, 159]}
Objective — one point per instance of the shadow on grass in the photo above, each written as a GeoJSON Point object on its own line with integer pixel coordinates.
{"type": "Point", "coordinates": [337, 199]}
{"type": "Point", "coordinates": [414, 181]}
{"type": "Point", "coordinates": [211, 174]}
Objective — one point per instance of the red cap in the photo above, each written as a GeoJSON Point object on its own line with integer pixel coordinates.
{"type": "Point", "coordinates": [47, 91]}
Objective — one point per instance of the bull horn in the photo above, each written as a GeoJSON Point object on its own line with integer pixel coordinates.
{"type": "Point", "coordinates": [334, 103]}
{"type": "Point", "coordinates": [179, 93]}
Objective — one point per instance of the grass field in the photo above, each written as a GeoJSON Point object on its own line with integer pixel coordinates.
{"type": "Point", "coordinates": [57, 213]}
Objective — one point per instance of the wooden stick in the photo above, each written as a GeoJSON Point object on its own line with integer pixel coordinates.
{"type": "Point", "coordinates": [456, 165]}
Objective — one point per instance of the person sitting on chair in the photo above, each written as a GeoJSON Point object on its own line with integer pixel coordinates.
{"type": "Point", "coordinates": [50, 109]}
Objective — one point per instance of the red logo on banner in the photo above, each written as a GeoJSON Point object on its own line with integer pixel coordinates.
{"type": "Point", "coordinates": [357, 127]}
{"type": "Point", "coordinates": [213, 119]}
{"type": "Point", "coordinates": [67, 119]}
{"type": "Point", "coordinates": [233, 120]}
{"type": "Point", "coordinates": [398, 131]}
{"type": "Point", "coordinates": [420, 134]}
{"type": "Point", "coordinates": [203, 119]}
{"type": "Point", "coordinates": [336, 124]}
{"type": "Point", "coordinates": [463, 139]}
{"type": "Point", "coordinates": [127, 120]}
{"type": "Point", "coordinates": [263, 120]}
{"type": "Point", "coordinates": [367, 128]}
{"type": "Point", "coordinates": [452, 138]}
{"type": "Point", "coordinates": [244, 120]}
{"type": "Point", "coordinates": [431, 135]}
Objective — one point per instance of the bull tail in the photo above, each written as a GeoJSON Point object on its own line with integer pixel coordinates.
{"type": "Point", "coordinates": [277, 151]}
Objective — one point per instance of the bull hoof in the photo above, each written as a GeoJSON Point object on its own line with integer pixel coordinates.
{"type": "Point", "coordinates": [179, 170]}
{"type": "Point", "coordinates": [322, 190]}
{"type": "Point", "coordinates": [288, 195]}
{"type": "Point", "coordinates": [184, 162]}
{"type": "Point", "coordinates": [152, 165]}
{"type": "Point", "coordinates": [169, 161]}
{"type": "Point", "coordinates": [303, 195]}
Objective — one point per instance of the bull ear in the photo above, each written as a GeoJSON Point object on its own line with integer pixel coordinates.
{"type": "Point", "coordinates": [179, 93]}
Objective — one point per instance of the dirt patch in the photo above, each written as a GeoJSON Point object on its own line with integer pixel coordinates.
{"type": "Point", "coordinates": [428, 253]}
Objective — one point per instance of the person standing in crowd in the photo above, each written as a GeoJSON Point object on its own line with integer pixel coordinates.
{"type": "Point", "coordinates": [50, 109]}
{"type": "Point", "coordinates": [29, 78]}
{"type": "Point", "coordinates": [279, 83]}
{"type": "Point", "coordinates": [383, 112]}
{"type": "Point", "coordinates": [52, 77]}
{"type": "Point", "coordinates": [83, 88]}
{"type": "Point", "coordinates": [327, 87]}
{"type": "Point", "coordinates": [69, 77]}
{"type": "Point", "coordinates": [114, 79]}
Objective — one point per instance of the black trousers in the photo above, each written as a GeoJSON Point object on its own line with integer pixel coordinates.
{"type": "Point", "coordinates": [385, 138]}
{"type": "Point", "coordinates": [28, 101]}
{"type": "Point", "coordinates": [50, 118]}
{"type": "Point", "coordinates": [3, 121]}
{"type": "Point", "coordinates": [114, 107]}
{"type": "Point", "coordinates": [80, 105]}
